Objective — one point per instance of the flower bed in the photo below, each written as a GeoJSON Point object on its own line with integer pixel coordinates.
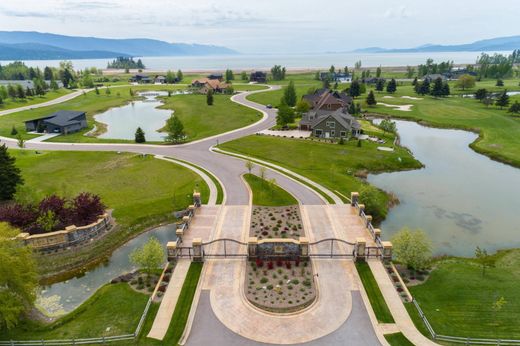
{"type": "Point", "coordinates": [280, 286]}
{"type": "Point", "coordinates": [276, 222]}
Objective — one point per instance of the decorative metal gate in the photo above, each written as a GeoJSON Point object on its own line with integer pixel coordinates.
{"type": "Point", "coordinates": [224, 247]}
{"type": "Point", "coordinates": [332, 248]}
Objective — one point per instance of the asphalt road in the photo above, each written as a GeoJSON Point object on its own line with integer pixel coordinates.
{"type": "Point", "coordinates": [228, 169]}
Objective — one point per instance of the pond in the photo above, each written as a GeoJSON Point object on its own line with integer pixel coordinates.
{"type": "Point", "coordinates": [65, 296]}
{"type": "Point", "coordinates": [461, 199]}
{"type": "Point", "coordinates": [122, 122]}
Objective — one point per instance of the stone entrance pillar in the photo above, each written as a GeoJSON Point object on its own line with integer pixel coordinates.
{"type": "Point", "coordinates": [387, 250]}
{"type": "Point", "coordinates": [369, 220]}
{"type": "Point", "coordinates": [171, 250]}
{"type": "Point", "coordinates": [360, 249]}
{"type": "Point", "coordinates": [196, 199]}
{"type": "Point", "coordinates": [251, 247]}
{"type": "Point", "coordinates": [304, 248]}
{"type": "Point", "coordinates": [361, 208]}
{"type": "Point", "coordinates": [198, 255]}
{"type": "Point", "coordinates": [354, 198]}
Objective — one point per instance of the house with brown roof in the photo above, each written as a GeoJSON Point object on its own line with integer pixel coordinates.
{"type": "Point", "coordinates": [205, 84]}
{"type": "Point", "coordinates": [325, 99]}
{"type": "Point", "coordinates": [330, 124]}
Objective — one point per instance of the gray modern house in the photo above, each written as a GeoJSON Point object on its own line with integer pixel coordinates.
{"type": "Point", "coordinates": [330, 124]}
{"type": "Point", "coordinates": [60, 122]}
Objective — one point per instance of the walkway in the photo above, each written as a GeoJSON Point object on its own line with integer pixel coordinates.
{"type": "Point", "coordinates": [163, 318]}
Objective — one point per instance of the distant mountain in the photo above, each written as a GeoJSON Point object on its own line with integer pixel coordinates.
{"type": "Point", "coordinates": [493, 44]}
{"type": "Point", "coordinates": [85, 46]}
{"type": "Point", "coordinates": [36, 51]}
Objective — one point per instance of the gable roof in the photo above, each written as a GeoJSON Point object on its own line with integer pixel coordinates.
{"type": "Point", "coordinates": [340, 115]}
{"type": "Point", "coordinates": [61, 118]}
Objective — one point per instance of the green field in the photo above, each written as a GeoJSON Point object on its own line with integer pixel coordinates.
{"type": "Point", "coordinates": [397, 339]}
{"type": "Point", "coordinates": [458, 300]}
{"type": "Point", "coordinates": [201, 120]}
{"type": "Point", "coordinates": [332, 165]}
{"type": "Point", "coordinates": [142, 191]}
{"type": "Point", "coordinates": [106, 313]}
{"type": "Point", "coordinates": [50, 95]}
{"type": "Point", "coordinates": [375, 296]}
{"type": "Point", "coordinates": [265, 194]}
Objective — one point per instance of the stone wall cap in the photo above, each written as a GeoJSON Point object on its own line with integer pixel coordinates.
{"type": "Point", "coordinates": [171, 244]}
{"type": "Point", "coordinates": [279, 240]}
{"type": "Point", "coordinates": [196, 241]}
{"type": "Point", "coordinates": [361, 240]}
{"type": "Point", "coordinates": [304, 240]}
{"type": "Point", "coordinates": [361, 206]}
{"type": "Point", "coordinates": [386, 243]}
{"type": "Point", "coordinates": [252, 240]}
{"type": "Point", "coordinates": [354, 194]}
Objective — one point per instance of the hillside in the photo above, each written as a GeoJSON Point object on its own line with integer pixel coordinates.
{"type": "Point", "coordinates": [36, 51]}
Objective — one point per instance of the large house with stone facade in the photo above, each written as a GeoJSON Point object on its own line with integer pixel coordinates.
{"type": "Point", "coordinates": [203, 85]}
{"type": "Point", "coordinates": [325, 99]}
{"type": "Point", "coordinates": [330, 123]}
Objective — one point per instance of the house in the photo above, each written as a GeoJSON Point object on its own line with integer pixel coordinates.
{"type": "Point", "coordinates": [372, 80]}
{"type": "Point", "coordinates": [432, 77]}
{"type": "Point", "coordinates": [28, 83]}
{"type": "Point", "coordinates": [205, 84]}
{"type": "Point", "coordinates": [258, 76]}
{"type": "Point", "coordinates": [330, 124]}
{"type": "Point", "coordinates": [160, 80]}
{"type": "Point", "coordinates": [456, 73]}
{"type": "Point", "coordinates": [63, 122]}
{"type": "Point", "coordinates": [216, 76]}
{"type": "Point", "coordinates": [141, 78]}
{"type": "Point", "coordinates": [336, 77]}
{"type": "Point", "coordinates": [325, 99]}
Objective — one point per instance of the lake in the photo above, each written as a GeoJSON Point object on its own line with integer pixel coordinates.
{"type": "Point", "coordinates": [67, 295]}
{"type": "Point", "coordinates": [266, 61]}
{"type": "Point", "coordinates": [461, 199]}
{"type": "Point", "coordinates": [122, 122]}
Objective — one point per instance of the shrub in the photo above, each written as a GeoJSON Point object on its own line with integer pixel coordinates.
{"type": "Point", "coordinates": [264, 280]}
{"type": "Point", "coordinates": [288, 264]}
{"type": "Point", "coordinates": [295, 281]}
{"type": "Point", "coordinates": [306, 283]}
{"type": "Point", "coordinates": [279, 263]}
{"type": "Point", "coordinates": [270, 265]}
{"type": "Point", "coordinates": [259, 263]}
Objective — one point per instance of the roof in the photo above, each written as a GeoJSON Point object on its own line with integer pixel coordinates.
{"type": "Point", "coordinates": [341, 116]}
{"type": "Point", "coordinates": [61, 118]}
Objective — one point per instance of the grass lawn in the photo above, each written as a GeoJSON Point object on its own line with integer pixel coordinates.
{"type": "Point", "coordinates": [398, 339]}
{"type": "Point", "coordinates": [458, 300]}
{"type": "Point", "coordinates": [331, 165]}
{"type": "Point", "coordinates": [106, 313]}
{"type": "Point", "coordinates": [201, 120]}
{"type": "Point", "coordinates": [142, 191]}
{"type": "Point", "coordinates": [51, 95]}
{"type": "Point", "coordinates": [265, 194]}
{"type": "Point", "coordinates": [180, 315]}
{"type": "Point", "coordinates": [375, 296]}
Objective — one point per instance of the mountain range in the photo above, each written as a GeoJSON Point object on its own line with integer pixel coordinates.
{"type": "Point", "coordinates": [493, 44]}
{"type": "Point", "coordinates": [32, 45]}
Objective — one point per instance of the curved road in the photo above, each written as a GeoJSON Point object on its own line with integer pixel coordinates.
{"type": "Point", "coordinates": [226, 168]}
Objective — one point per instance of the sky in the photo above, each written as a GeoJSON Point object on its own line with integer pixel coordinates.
{"type": "Point", "coordinates": [271, 26]}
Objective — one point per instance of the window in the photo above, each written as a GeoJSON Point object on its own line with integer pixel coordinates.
{"type": "Point", "coordinates": [332, 133]}
{"type": "Point", "coordinates": [331, 124]}
{"type": "Point", "coordinates": [318, 133]}
{"type": "Point", "coordinates": [343, 134]}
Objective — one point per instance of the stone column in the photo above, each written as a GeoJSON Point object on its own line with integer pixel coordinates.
{"type": "Point", "coordinates": [361, 208]}
{"type": "Point", "coordinates": [171, 249]}
{"type": "Point", "coordinates": [360, 249]}
{"type": "Point", "coordinates": [186, 221]}
{"type": "Point", "coordinates": [198, 255]}
{"type": "Point", "coordinates": [387, 250]}
{"type": "Point", "coordinates": [377, 233]}
{"type": "Point", "coordinates": [180, 233]}
{"type": "Point", "coordinates": [251, 247]}
{"type": "Point", "coordinates": [191, 209]}
{"type": "Point", "coordinates": [369, 220]}
{"type": "Point", "coordinates": [196, 199]}
{"type": "Point", "coordinates": [354, 198]}
{"type": "Point", "coordinates": [304, 248]}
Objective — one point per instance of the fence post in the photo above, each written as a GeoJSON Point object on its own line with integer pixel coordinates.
{"type": "Point", "coordinates": [171, 249]}
{"type": "Point", "coordinates": [361, 209]}
{"type": "Point", "coordinates": [180, 233]}
{"type": "Point", "coordinates": [387, 250]}
{"type": "Point", "coordinates": [360, 249]}
{"type": "Point", "coordinates": [304, 248]}
{"type": "Point", "coordinates": [369, 220]}
{"type": "Point", "coordinates": [196, 199]}
{"type": "Point", "coordinates": [251, 247]}
{"type": "Point", "coordinates": [377, 233]}
{"type": "Point", "coordinates": [197, 250]}
{"type": "Point", "coordinates": [354, 198]}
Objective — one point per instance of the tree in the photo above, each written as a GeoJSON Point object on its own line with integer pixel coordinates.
{"type": "Point", "coordinates": [107, 91]}
{"type": "Point", "coordinates": [481, 94]}
{"type": "Point", "coordinates": [410, 71]}
{"type": "Point", "coordinates": [263, 173]}
{"type": "Point", "coordinates": [244, 76]}
{"type": "Point", "coordinates": [170, 77]}
{"type": "Point", "coordinates": [485, 260]}
{"type": "Point", "coordinates": [500, 83]}
{"type": "Point", "coordinates": [378, 72]}
{"type": "Point", "coordinates": [249, 165]}
{"type": "Point", "coordinates": [229, 90]}
{"type": "Point", "coordinates": [180, 75]}
{"type": "Point", "coordinates": [11, 91]}
{"type": "Point", "coordinates": [357, 65]}
{"type": "Point", "coordinates": [355, 88]}
{"type": "Point", "coordinates": [20, 93]}
{"type": "Point", "coordinates": [302, 107]}
{"type": "Point", "coordinates": [14, 131]}
{"type": "Point", "coordinates": [278, 72]}
{"type": "Point", "coordinates": [209, 97]}
{"type": "Point", "coordinates": [20, 141]}
{"type": "Point", "coordinates": [437, 88]}
{"type": "Point", "coordinates": [415, 81]}
{"type": "Point", "coordinates": [502, 100]}
{"type": "Point", "coordinates": [423, 88]}
{"type": "Point", "coordinates": [515, 108]}
{"type": "Point", "coordinates": [380, 84]}
{"type": "Point", "coordinates": [148, 257]}
{"type": "Point", "coordinates": [86, 208]}
{"type": "Point", "coordinates": [289, 95]}
{"type": "Point", "coordinates": [10, 175]}
{"type": "Point", "coordinates": [139, 136]}
{"type": "Point", "coordinates": [445, 89]}
{"type": "Point", "coordinates": [96, 90]}
{"type": "Point", "coordinates": [175, 130]}
{"type": "Point", "coordinates": [465, 81]}
{"type": "Point", "coordinates": [67, 78]}
{"type": "Point", "coordinates": [87, 81]}
{"type": "Point", "coordinates": [229, 76]}
{"type": "Point", "coordinates": [47, 73]}
{"type": "Point", "coordinates": [487, 101]}
{"type": "Point", "coordinates": [19, 279]}
{"type": "Point", "coordinates": [412, 248]}
{"type": "Point", "coordinates": [285, 114]}
{"type": "Point", "coordinates": [317, 76]}
{"type": "Point", "coordinates": [388, 125]}
{"type": "Point", "coordinates": [392, 86]}
{"type": "Point", "coordinates": [371, 99]}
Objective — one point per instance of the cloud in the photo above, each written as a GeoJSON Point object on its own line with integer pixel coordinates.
{"type": "Point", "coordinates": [23, 14]}
{"type": "Point", "coordinates": [401, 12]}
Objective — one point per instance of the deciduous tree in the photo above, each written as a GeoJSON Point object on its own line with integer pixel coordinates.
{"type": "Point", "coordinates": [412, 248]}
{"type": "Point", "coordinates": [148, 257]}
{"type": "Point", "coordinates": [175, 130]}
{"type": "Point", "coordinates": [484, 259]}
{"type": "Point", "coordinates": [465, 81]}
{"type": "Point", "coordinates": [289, 95]}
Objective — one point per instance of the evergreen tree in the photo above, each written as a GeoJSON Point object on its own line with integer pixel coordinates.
{"type": "Point", "coordinates": [28, 92]}
{"type": "Point", "coordinates": [14, 131]}
{"type": "Point", "coordinates": [500, 83]}
{"type": "Point", "coordinates": [515, 108]}
{"type": "Point", "coordinates": [371, 99]}
{"type": "Point", "coordinates": [10, 175]}
{"type": "Point", "coordinates": [326, 83]}
{"type": "Point", "coordinates": [47, 73]}
{"type": "Point", "coordinates": [289, 95]}
{"type": "Point", "coordinates": [423, 88]}
{"type": "Point", "coordinates": [414, 82]}
{"type": "Point", "coordinates": [209, 97]}
{"type": "Point", "coordinates": [180, 76]}
{"type": "Point", "coordinates": [229, 76]}
{"type": "Point", "coordinates": [139, 136]}
{"type": "Point", "coordinates": [355, 88]}
{"type": "Point", "coordinates": [437, 88]}
{"type": "Point", "coordinates": [445, 89]}
{"type": "Point", "coordinates": [96, 90]}
{"type": "Point", "coordinates": [481, 94]}
{"type": "Point", "coordinates": [20, 93]}
{"type": "Point", "coordinates": [392, 86]}
{"type": "Point", "coordinates": [244, 76]}
{"type": "Point", "coordinates": [67, 78]}
{"type": "Point", "coordinates": [175, 130]}
{"type": "Point", "coordinates": [380, 84]}
{"type": "Point", "coordinates": [317, 75]}
{"type": "Point", "coordinates": [502, 100]}
{"type": "Point", "coordinates": [378, 72]}
{"type": "Point", "coordinates": [107, 91]}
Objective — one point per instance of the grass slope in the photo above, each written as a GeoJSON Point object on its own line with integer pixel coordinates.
{"type": "Point", "coordinates": [142, 191]}
{"type": "Point", "coordinates": [265, 194]}
{"type": "Point", "coordinates": [375, 296]}
{"type": "Point", "coordinates": [106, 313]}
{"type": "Point", "coordinates": [51, 95]}
{"type": "Point", "coordinates": [398, 339]}
{"type": "Point", "coordinates": [458, 300]}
